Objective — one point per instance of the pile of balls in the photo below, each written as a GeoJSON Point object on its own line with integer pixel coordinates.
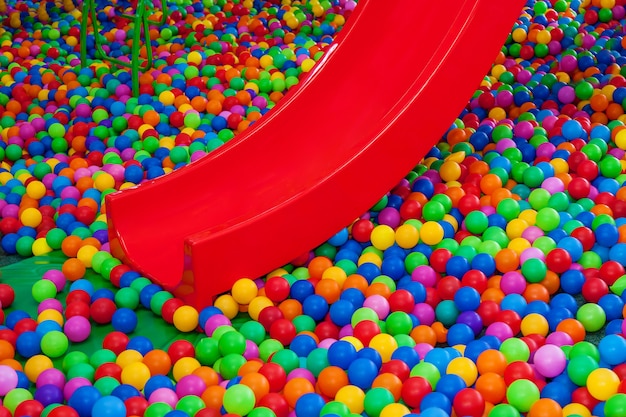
{"type": "Point", "coordinates": [489, 282]}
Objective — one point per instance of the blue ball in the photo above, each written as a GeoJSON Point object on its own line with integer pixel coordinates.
{"type": "Point", "coordinates": [362, 373]}
{"type": "Point", "coordinates": [124, 320]}
{"type": "Point", "coordinates": [155, 382]}
{"type": "Point", "coordinates": [28, 344]}
{"type": "Point", "coordinates": [341, 312]}
{"type": "Point", "coordinates": [302, 345]}
{"type": "Point", "coordinates": [612, 349]}
{"type": "Point", "coordinates": [84, 399]}
{"type": "Point", "coordinates": [342, 354]}
{"type": "Point", "coordinates": [141, 344]}
{"type": "Point", "coordinates": [309, 405]}
{"type": "Point", "coordinates": [315, 306]}
{"type": "Point", "coordinates": [125, 391]}
{"type": "Point", "coordinates": [450, 385]}
{"type": "Point", "coordinates": [467, 299]}
{"type": "Point", "coordinates": [435, 404]}
{"type": "Point", "coordinates": [108, 406]}
{"type": "Point", "coordinates": [460, 334]}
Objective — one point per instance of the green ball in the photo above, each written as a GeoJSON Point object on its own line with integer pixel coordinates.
{"type": "Point", "coordinates": [98, 259]}
{"type": "Point", "coordinates": [230, 364]}
{"type": "Point", "coordinates": [584, 90]}
{"type": "Point", "coordinates": [83, 370]}
{"type": "Point", "coordinates": [74, 358]}
{"type": "Point", "coordinates": [534, 270]}
{"type": "Point", "coordinates": [157, 301]}
{"type": "Point", "coordinates": [547, 219]}
{"type": "Point", "coordinates": [43, 289]}
{"type": "Point", "coordinates": [522, 394]}
{"type": "Point", "coordinates": [545, 244]}
{"type": "Point", "coordinates": [232, 342]}
{"type": "Point", "coordinates": [15, 397]}
{"type": "Point", "coordinates": [398, 322]}
{"type": "Point", "coordinates": [579, 368]}
{"type": "Point", "coordinates": [207, 351]}
{"type": "Point", "coordinates": [127, 298]}
{"type": "Point", "coordinates": [539, 198]}
{"type": "Point", "coordinates": [268, 347]}
{"type": "Point", "coordinates": [615, 406]}
{"type": "Point", "coordinates": [504, 410]}
{"type": "Point", "coordinates": [54, 344]}
{"type": "Point", "coordinates": [254, 331]}
{"type": "Point", "coordinates": [55, 237]}
{"type": "Point", "coordinates": [179, 154]}
{"type": "Point", "coordinates": [476, 222]}
{"type": "Point", "coordinates": [106, 385]}
{"type": "Point", "coordinates": [433, 211]}
{"type": "Point", "coordinates": [287, 359]}
{"type": "Point", "coordinates": [239, 399]}
{"type": "Point", "coordinates": [107, 266]}
{"type": "Point", "coordinates": [335, 408]}
{"type": "Point", "coordinates": [533, 176]}
{"type": "Point", "coordinates": [376, 399]}
{"type": "Point", "coordinates": [363, 313]}
{"type": "Point", "coordinates": [515, 350]}
{"type": "Point", "coordinates": [427, 371]}
{"type": "Point", "coordinates": [508, 208]}
{"type": "Point", "coordinates": [591, 316]}
{"type": "Point", "coordinates": [157, 410]}
{"type": "Point", "coordinates": [585, 348]}
{"type": "Point", "coordinates": [262, 412]}
{"type": "Point", "coordinates": [24, 246]}
{"type": "Point", "coordinates": [317, 361]}
{"type": "Point", "coordinates": [102, 356]}
{"type": "Point", "coordinates": [190, 404]}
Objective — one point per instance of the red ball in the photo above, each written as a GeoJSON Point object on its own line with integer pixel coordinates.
{"type": "Point", "coordinates": [361, 230]}
{"type": "Point", "coordinates": [558, 260]}
{"type": "Point", "coordinates": [115, 342]}
{"type": "Point", "coordinates": [109, 369]}
{"type": "Point", "coordinates": [181, 349]}
{"type": "Point", "coordinates": [283, 330]}
{"type": "Point", "coordinates": [401, 300]}
{"type": "Point", "coordinates": [588, 170]}
{"type": "Point", "coordinates": [585, 236]}
{"type": "Point", "coordinates": [581, 395]}
{"type": "Point", "coordinates": [30, 408]}
{"type": "Point", "coordinates": [475, 279]}
{"type": "Point", "coordinates": [204, 412]}
{"type": "Point", "coordinates": [78, 295]}
{"type": "Point", "coordinates": [594, 289]}
{"type": "Point", "coordinates": [4, 412]}
{"type": "Point", "coordinates": [169, 308]}
{"type": "Point", "coordinates": [25, 325]}
{"type": "Point", "coordinates": [439, 259]}
{"type": "Point", "coordinates": [511, 318]}
{"type": "Point", "coordinates": [414, 389]}
{"type": "Point", "coordinates": [488, 311]}
{"type": "Point", "coordinates": [136, 406]}
{"type": "Point", "coordinates": [327, 330]}
{"type": "Point", "coordinates": [77, 308]}
{"type": "Point", "coordinates": [63, 411]}
{"type": "Point", "coordinates": [469, 403]}
{"type": "Point", "coordinates": [102, 310]}
{"type": "Point", "coordinates": [518, 370]}
{"type": "Point", "coordinates": [277, 289]}
{"type": "Point", "coordinates": [275, 375]}
{"type": "Point", "coordinates": [396, 367]}
{"type": "Point", "coordinates": [447, 287]}
{"type": "Point", "coordinates": [432, 298]}
{"type": "Point", "coordinates": [610, 271]}
{"type": "Point", "coordinates": [275, 402]}
{"type": "Point", "coordinates": [117, 272]}
{"type": "Point", "coordinates": [269, 315]}
{"type": "Point", "coordinates": [365, 330]}
{"type": "Point", "coordinates": [579, 188]}
{"type": "Point", "coordinates": [7, 295]}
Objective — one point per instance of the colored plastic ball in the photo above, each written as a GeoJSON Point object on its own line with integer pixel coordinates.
{"type": "Point", "coordinates": [239, 399]}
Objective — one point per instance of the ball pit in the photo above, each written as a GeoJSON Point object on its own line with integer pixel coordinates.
{"type": "Point", "coordinates": [474, 286]}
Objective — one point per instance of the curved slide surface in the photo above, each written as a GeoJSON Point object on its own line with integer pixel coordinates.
{"type": "Point", "coordinates": [380, 98]}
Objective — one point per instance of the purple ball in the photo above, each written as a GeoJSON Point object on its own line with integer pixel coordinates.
{"type": "Point", "coordinates": [49, 394]}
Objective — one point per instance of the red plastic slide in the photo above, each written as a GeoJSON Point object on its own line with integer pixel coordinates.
{"type": "Point", "coordinates": [391, 84]}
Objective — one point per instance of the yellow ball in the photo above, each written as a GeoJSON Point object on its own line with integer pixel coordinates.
{"type": "Point", "coordinates": [257, 305]}
{"type": "Point", "coordinates": [128, 357]}
{"type": "Point", "coordinates": [465, 368]}
{"type": "Point", "coordinates": [370, 257]}
{"type": "Point", "coordinates": [576, 409]}
{"type": "Point", "coordinates": [227, 305]}
{"type": "Point", "coordinates": [450, 171]}
{"type": "Point", "coordinates": [85, 254]}
{"type": "Point", "coordinates": [186, 319]}
{"type": "Point", "coordinates": [184, 366]}
{"type": "Point", "coordinates": [104, 181]}
{"type": "Point", "coordinates": [385, 345]}
{"type": "Point", "coordinates": [407, 236]}
{"type": "Point", "coordinates": [431, 233]}
{"type": "Point", "coordinates": [383, 237]}
{"type": "Point", "coordinates": [519, 245]}
{"type": "Point", "coordinates": [307, 65]}
{"type": "Point", "coordinates": [394, 410]}
{"type": "Point", "coordinates": [358, 345]}
{"type": "Point", "coordinates": [41, 247]}
{"type": "Point", "coordinates": [31, 217]}
{"type": "Point", "coordinates": [244, 291]}
{"type": "Point", "coordinates": [35, 365]}
{"type": "Point", "coordinates": [136, 374]}
{"type": "Point", "coordinates": [36, 190]}
{"type": "Point", "coordinates": [620, 139]}
{"type": "Point", "coordinates": [352, 396]}
{"type": "Point", "coordinates": [52, 315]}
{"type": "Point", "coordinates": [515, 228]}
{"type": "Point", "coordinates": [534, 323]}
{"type": "Point", "coordinates": [167, 98]}
{"type": "Point", "coordinates": [335, 273]}
{"type": "Point", "coordinates": [602, 383]}
{"type": "Point", "coordinates": [194, 57]}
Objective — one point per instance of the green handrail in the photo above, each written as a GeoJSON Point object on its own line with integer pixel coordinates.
{"type": "Point", "coordinates": [140, 20]}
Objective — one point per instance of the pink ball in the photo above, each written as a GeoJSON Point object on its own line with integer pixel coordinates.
{"type": "Point", "coordinates": [512, 283]}
{"type": "Point", "coordinates": [214, 322]}
{"type": "Point", "coordinates": [532, 233]}
{"type": "Point", "coordinates": [326, 343]}
{"type": "Point", "coordinates": [51, 376]}
{"type": "Point", "coordinates": [56, 277]}
{"type": "Point", "coordinates": [190, 385]}
{"type": "Point", "coordinates": [379, 304]}
{"type": "Point", "coordinates": [422, 349]}
{"type": "Point", "coordinates": [8, 379]}
{"type": "Point", "coordinates": [73, 384]}
{"type": "Point", "coordinates": [50, 304]}
{"type": "Point", "coordinates": [553, 185]}
{"type": "Point", "coordinates": [163, 395]}
{"type": "Point", "coordinates": [301, 373]}
{"type": "Point", "coordinates": [532, 253]}
{"type": "Point", "coordinates": [550, 360]}
{"type": "Point", "coordinates": [500, 330]}
{"type": "Point", "coordinates": [425, 275]}
{"type": "Point", "coordinates": [424, 313]}
{"type": "Point", "coordinates": [252, 350]}
{"type": "Point", "coordinates": [77, 328]}
{"type": "Point", "coordinates": [559, 338]}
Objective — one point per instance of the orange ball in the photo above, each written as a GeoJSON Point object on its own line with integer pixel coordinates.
{"type": "Point", "coordinates": [331, 379]}
{"type": "Point", "coordinates": [71, 245]}
{"type": "Point", "coordinates": [574, 328]}
{"type": "Point", "coordinates": [491, 361]}
{"type": "Point", "coordinates": [258, 383]}
{"type": "Point", "coordinates": [492, 387]}
{"type": "Point", "coordinates": [329, 289]}
{"type": "Point", "coordinates": [296, 388]}
{"type": "Point", "coordinates": [545, 407]}
{"type": "Point", "coordinates": [391, 382]}
{"type": "Point", "coordinates": [73, 269]}
{"type": "Point", "coordinates": [213, 396]}
{"type": "Point", "coordinates": [318, 265]}
{"type": "Point", "coordinates": [158, 361]}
